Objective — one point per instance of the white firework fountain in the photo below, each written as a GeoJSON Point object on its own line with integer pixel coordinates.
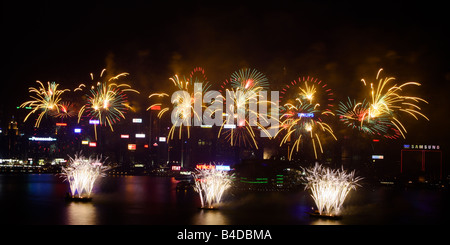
{"type": "Point", "coordinates": [81, 173]}
{"type": "Point", "coordinates": [329, 189]}
{"type": "Point", "coordinates": [210, 184]}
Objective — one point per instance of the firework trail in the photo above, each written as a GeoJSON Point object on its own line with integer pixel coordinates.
{"type": "Point", "coordinates": [183, 101]}
{"type": "Point", "coordinates": [107, 101]}
{"type": "Point", "coordinates": [309, 89]}
{"type": "Point", "coordinates": [249, 80]}
{"type": "Point", "coordinates": [380, 112]}
{"type": "Point", "coordinates": [389, 101]}
{"type": "Point", "coordinates": [44, 100]}
{"type": "Point", "coordinates": [210, 184]}
{"type": "Point", "coordinates": [303, 115]}
{"type": "Point", "coordinates": [246, 85]}
{"type": "Point", "coordinates": [66, 110]}
{"type": "Point", "coordinates": [241, 134]}
{"type": "Point", "coordinates": [352, 115]}
{"type": "Point", "coordinates": [329, 188]}
{"type": "Point", "coordinates": [81, 173]}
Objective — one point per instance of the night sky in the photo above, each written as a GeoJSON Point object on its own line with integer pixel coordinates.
{"type": "Point", "coordinates": [338, 42]}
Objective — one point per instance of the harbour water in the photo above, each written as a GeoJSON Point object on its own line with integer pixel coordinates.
{"type": "Point", "coordinates": [38, 199]}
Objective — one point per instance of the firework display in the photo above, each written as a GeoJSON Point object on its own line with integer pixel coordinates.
{"type": "Point", "coordinates": [184, 112]}
{"type": "Point", "coordinates": [242, 133]}
{"type": "Point", "coordinates": [249, 80]}
{"type": "Point", "coordinates": [44, 100]}
{"type": "Point", "coordinates": [107, 101]}
{"type": "Point", "coordinates": [389, 101]}
{"type": "Point", "coordinates": [307, 105]}
{"type": "Point", "coordinates": [380, 113]}
{"type": "Point", "coordinates": [81, 173]}
{"type": "Point", "coordinates": [329, 188]}
{"type": "Point", "coordinates": [67, 110]}
{"type": "Point", "coordinates": [230, 113]}
{"type": "Point", "coordinates": [307, 109]}
{"type": "Point", "coordinates": [246, 85]}
{"type": "Point", "coordinates": [211, 183]}
{"type": "Point", "coordinates": [309, 89]}
{"type": "Point", "coordinates": [237, 117]}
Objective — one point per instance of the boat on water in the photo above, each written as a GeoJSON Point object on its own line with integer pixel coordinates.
{"type": "Point", "coordinates": [317, 214]}
{"type": "Point", "coordinates": [208, 208]}
{"type": "Point", "coordinates": [71, 198]}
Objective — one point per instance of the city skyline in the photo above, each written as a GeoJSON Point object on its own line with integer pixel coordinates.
{"type": "Point", "coordinates": [339, 43]}
{"type": "Point", "coordinates": [352, 95]}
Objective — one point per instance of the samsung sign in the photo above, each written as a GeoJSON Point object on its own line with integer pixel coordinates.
{"type": "Point", "coordinates": [422, 147]}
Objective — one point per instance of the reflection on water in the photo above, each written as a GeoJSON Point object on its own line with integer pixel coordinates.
{"type": "Point", "coordinates": [135, 188]}
{"type": "Point", "coordinates": [39, 199]}
{"type": "Point", "coordinates": [81, 214]}
{"type": "Point", "coordinates": [319, 221]}
{"type": "Point", "coordinates": [209, 217]}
